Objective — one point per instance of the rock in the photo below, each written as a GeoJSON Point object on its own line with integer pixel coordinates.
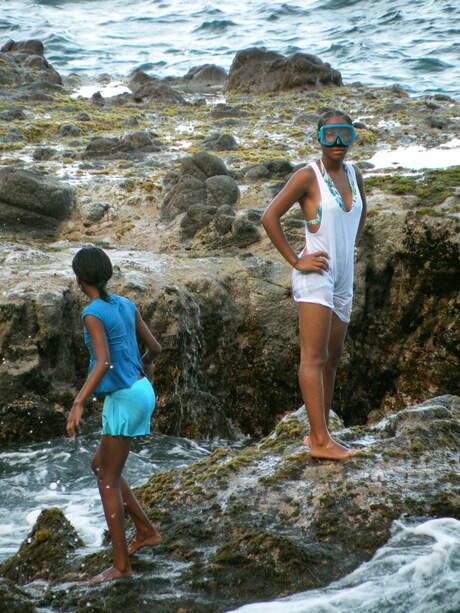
{"type": "Point", "coordinates": [153, 89]}
{"type": "Point", "coordinates": [26, 64]}
{"type": "Point", "coordinates": [244, 232]}
{"type": "Point", "coordinates": [186, 192]}
{"type": "Point", "coordinates": [44, 154]}
{"type": "Point", "coordinates": [70, 129]}
{"type": "Point", "coordinates": [92, 212]}
{"type": "Point", "coordinates": [224, 111]}
{"type": "Point", "coordinates": [272, 169]}
{"type": "Point", "coordinates": [15, 600]}
{"type": "Point", "coordinates": [43, 554]}
{"type": "Point", "coordinates": [441, 123]}
{"type": "Point", "coordinates": [220, 142]}
{"type": "Point", "coordinates": [83, 117]}
{"type": "Point", "coordinates": [131, 145]}
{"type": "Point", "coordinates": [221, 189]}
{"type": "Point", "coordinates": [33, 201]}
{"type": "Point", "coordinates": [223, 219]}
{"type": "Point", "coordinates": [257, 70]}
{"type": "Point", "coordinates": [203, 165]}
{"type": "Point", "coordinates": [204, 78]}
{"type": "Point", "coordinates": [14, 112]}
{"type": "Point", "coordinates": [198, 192]}
{"type": "Point", "coordinates": [268, 520]}
{"type": "Point", "coordinates": [14, 135]}
{"type": "Point", "coordinates": [196, 217]}
{"type": "Point", "coordinates": [27, 419]}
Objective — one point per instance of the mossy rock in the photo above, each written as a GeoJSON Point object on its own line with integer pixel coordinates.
{"type": "Point", "coordinates": [43, 554]}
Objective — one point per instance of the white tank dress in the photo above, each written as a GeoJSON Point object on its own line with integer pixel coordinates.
{"type": "Point", "coordinates": [336, 236]}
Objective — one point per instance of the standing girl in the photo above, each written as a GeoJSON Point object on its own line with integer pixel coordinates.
{"type": "Point", "coordinates": [112, 328]}
{"type": "Point", "coordinates": [331, 194]}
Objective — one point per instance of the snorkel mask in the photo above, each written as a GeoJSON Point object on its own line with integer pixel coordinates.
{"type": "Point", "coordinates": [337, 134]}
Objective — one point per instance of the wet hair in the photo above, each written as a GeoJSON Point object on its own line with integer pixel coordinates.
{"type": "Point", "coordinates": [93, 266]}
{"type": "Point", "coordinates": [332, 113]}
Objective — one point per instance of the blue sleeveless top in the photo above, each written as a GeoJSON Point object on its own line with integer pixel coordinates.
{"type": "Point", "coordinates": [119, 320]}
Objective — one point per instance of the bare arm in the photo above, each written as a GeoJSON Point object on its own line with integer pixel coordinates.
{"type": "Point", "coordinates": [153, 346]}
{"type": "Point", "coordinates": [362, 221]}
{"type": "Point", "coordinates": [296, 188]}
{"type": "Point", "coordinates": [96, 330]}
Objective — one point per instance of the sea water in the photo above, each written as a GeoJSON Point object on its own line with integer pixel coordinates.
{"type": "Point", "coordinates": [414, 43]}
{"type": "Point", "coordinates": [417, 571]}
{"type": "Point", "coordinates": [57, 473]}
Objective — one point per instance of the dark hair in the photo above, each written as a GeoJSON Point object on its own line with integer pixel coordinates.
{"type": "Point", "coordinates": [93, 266]}
{"type": "Point", "coordinates": [331, 113]}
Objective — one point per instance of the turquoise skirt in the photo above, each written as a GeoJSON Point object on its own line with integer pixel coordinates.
{"type": "Point", "coordinates": [127, 412]}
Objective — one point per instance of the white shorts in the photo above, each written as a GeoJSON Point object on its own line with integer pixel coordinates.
{"type": "Point", "coordinates": [319, 289]}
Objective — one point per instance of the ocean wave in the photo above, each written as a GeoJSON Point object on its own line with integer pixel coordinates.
{"type": "Point", "coordinates": [427, 64]}
{"type": "Point", "coordinates": [215, 26]}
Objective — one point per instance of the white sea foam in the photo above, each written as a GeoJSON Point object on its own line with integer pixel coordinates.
{"type": "Point", "coordinates": [415, 157]}
{"type": "Point", "coordinates": [417, 571]}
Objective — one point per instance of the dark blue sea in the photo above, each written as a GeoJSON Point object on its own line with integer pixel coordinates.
{"type": "Point", "coordinates": [415, 43]}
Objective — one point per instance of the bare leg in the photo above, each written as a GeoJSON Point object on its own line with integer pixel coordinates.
{"type": "Point", "coordinates": [337, 335]}
{"type": "Point", "coordinates": [112, 454]}
{"type": "Point", "coordinates": [146, 533]}
{"type": "Point", "coordinates": [315, 331]}
{"type": "Point", "coordinates": [335, 349]}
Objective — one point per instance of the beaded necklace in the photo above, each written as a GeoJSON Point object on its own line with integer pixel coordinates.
{"type": "Point", "coordinates": [335, 192]}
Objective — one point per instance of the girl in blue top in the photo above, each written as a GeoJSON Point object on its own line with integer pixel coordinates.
{"type": "Point", "coordinates": [112, 328]}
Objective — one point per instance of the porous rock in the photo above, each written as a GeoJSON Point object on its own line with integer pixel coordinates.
{"type": "Point", "coordinates": [257, 70]}
{"type": "Point", "coordinates": [25, 64]}
{"type": "Point", "coordinates": [31, 200]}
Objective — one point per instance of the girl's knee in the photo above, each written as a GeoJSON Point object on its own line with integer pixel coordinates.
{"type": "Point", "coordinates": [95, 466]}
{"type": "Point", "coordinates": [313, 362]}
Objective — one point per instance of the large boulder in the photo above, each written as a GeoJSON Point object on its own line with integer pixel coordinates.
{"type": "Point", "coordinates": [257, 70]}
{"type": "Point", "coordinates": [33, 202]}
{"type": "Point", "coordinates": [199, 190]}
{"type": "Point", "coordinates": [24, 63]}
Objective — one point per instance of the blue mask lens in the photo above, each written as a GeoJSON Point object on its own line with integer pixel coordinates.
{"type": "Point", "coordinates": [337, 134]}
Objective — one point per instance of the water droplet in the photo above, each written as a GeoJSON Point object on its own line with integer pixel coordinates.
{"type": "Point", "coordinates": [53, 486]}
{"type": "Point", "coordinates": [113, 515]}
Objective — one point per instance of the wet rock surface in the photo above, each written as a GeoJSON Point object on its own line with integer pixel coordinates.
{"type": "Point", "coordinates": [183, 227]}
{"type": "Point", "coordinates": [268, 520]}
{"type": "Point", "coordinates": [45, 552]}
{"type": "Point", "coordinates": [32, 201]}
{"type": "Point", "coordinates": [257, 70]}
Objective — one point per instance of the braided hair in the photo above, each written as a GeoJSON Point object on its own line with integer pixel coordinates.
{"type": "Point", "coordinates": [93, 266]}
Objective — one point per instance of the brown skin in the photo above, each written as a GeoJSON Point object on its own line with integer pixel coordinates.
{"type": "Point", "coordinates": [112, 452]}
{"type": "Point", "coordinates": [322, 333]}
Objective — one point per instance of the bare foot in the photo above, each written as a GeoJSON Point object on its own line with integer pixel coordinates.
{"type": "Point", "coordinates": [145, 540]}
{"type": "Point", "coordinates": [331, 451]}
{"type": "Point", "coordinates": [108, 575]}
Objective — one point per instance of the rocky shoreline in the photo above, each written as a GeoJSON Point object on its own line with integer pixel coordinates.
{"type": "Point", "coordinates": [172, 178]}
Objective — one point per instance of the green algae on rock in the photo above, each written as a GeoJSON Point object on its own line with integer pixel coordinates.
{"type": "Point", "coordinates": [44, 553]}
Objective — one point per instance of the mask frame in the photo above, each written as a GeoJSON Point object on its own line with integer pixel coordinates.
{"type": "Point", "coordinates": [338, 137]}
